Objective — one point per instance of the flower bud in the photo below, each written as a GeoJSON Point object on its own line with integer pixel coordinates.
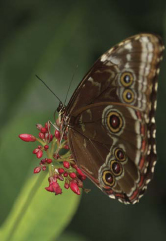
{"type": "Point", "coordinates": [66, 164]}
{"type": "Point", "coordinates": [74, 165]}
{"type": "Point", "coordinates": [61, 170]}
{"type": "Point", "coordinates": [39, 126]}
{"type": "Point", "coordinates": [47, 126]}
{"type": "Point", "coordinates": [66, 185]}
{"type": "Point", "coordinates": [56, 155]}
{"type": "Point", "coordinates": [66, 147]}
{"type": "Point", "coordinates": [49, 161]}
{"type": "Point", "coordinates": [50, 137]}
{"type": "Point", "coordinates": [60, 177]}
{"type": "Point", "coordinates": [35, 150]}
{"type": "Point", "coordinates": [43, 130]}
{"type": "Point", "coordinates": [41, 135]}
{"type": "Point", "coordinates": [65, 174]}
{"type": "Point", "coordinates": [44, 168]}
{"type": "Point", "coordinates": [72, 175]}
{"type": "Point", "coordinates": [27, 137]}
{"type": "Point", "coordinates": [83, 177]}
{"type": "Point", "coordinates": [37, 169]}
{"type": "Point", "coordinates": [74, 187]}
{"type": "Point", "coordinates": [43, 161]}
{"type": "Point", "coordinates": [39, 154]}
{"type": "Point", "coordinates": [46, 147]}
{"type": "Point", "coordinates": [57, 134]}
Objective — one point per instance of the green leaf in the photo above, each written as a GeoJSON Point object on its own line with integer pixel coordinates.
{"type": "Point", "coordinates": [36, 214]}
{"type": "Point", "coordinates": [70, 236]}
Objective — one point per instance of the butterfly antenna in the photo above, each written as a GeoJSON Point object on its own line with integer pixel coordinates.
{"type": "Point", "coordinates": [70, 84]}
{"type": "Point", "coordinates": [48, 88]}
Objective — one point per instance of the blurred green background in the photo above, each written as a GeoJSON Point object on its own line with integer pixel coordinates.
{"type": "Point", "coordinates": [50, 38]}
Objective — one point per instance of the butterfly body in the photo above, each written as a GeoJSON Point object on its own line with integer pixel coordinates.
{"type": "Point", "coordinates": [110, 118]}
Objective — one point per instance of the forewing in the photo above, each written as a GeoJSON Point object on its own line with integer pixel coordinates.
{"type": "Point", "coordinates": [139, 56]}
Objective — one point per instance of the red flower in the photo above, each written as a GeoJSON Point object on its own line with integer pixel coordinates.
{"type": "Point", "coordinates": [68, 171]}
{"type": "Point", "coordinates": [27, 137]}
{"type": "Point", "coordinates": [54, 187]}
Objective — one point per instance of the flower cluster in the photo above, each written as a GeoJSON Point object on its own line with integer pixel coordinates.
{"type": "Point", "coordinates": [58, 160]}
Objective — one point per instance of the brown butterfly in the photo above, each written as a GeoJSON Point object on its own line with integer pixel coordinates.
{"type": "Point", "coordinates": [109, 119]}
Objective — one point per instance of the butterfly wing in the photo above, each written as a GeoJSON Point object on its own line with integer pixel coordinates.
{"type": "Point", "coordinates": [109, 141]}
{"type": "Point", "coordinates": [112, 116]}
{"type": "Point", "coordinates": [139, 56]}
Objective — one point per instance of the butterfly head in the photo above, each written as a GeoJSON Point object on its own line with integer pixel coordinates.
{"type": "Point", "coordinates": [61, 107]}
{"type": "Point", "coordinates": [62, 116]}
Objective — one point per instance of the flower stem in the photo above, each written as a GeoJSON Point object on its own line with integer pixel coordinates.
{"type": "Point", "coordinates": [27, 203]}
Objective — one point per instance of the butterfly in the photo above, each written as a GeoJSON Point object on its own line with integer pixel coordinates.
{"type": "Point", "coordinates": [109, 120]}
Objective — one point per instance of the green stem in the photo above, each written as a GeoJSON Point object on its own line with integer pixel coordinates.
{"type": "Point", "coordinates": [54, 141]}
{"type": "Point", "coordinates": [26, 204]}
{"type": "Point", "coordinates": [41, 142]}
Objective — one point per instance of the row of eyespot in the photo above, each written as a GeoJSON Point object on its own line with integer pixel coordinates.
{"type": "Point", "coordinates": [127, 80]}
{"type": "Point", "coordinates": [116, 168]}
